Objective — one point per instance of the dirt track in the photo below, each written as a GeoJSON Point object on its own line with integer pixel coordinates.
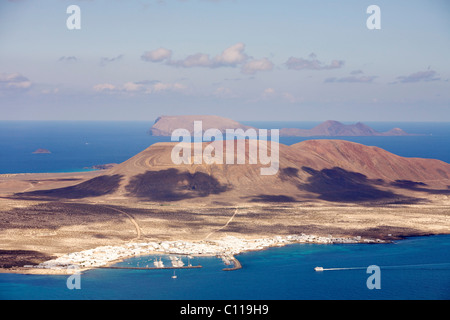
{"type": "Point", "coordinates": [41, 230]}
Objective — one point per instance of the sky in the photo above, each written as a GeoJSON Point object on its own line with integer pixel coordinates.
{"type": "Point", "coordinates": [249, 60]}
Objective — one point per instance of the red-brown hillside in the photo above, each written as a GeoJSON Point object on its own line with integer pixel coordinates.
{"type": "Point", "coordinates": [330, 170]}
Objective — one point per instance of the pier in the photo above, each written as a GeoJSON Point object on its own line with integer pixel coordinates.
{"type": "Point", "coordinates": [236, 265]}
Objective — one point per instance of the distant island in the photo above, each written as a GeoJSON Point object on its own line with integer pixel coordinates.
{"type": "Point", "coordinates": [165, 125]}
{"type": "Point", "coordinates": [41, 151]}
{"type": "Point", "coordinates": [332, 128]}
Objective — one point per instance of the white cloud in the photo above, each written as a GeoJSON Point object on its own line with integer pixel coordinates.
{"type": "Point", "coordinates": [50, 91]}
{"type": "Point", "coordinates": [253, 66]}
{"type": "Point", "coordinates": [426, 76]}
{"type": "Point", "coordinates": [144, 87]}
{"type": "Point", "coordinates": [157, 55]}
{"type": "Point", "coordinates": [133, 87]}
{"type": "Point", "coordinates": [14, 82]}
{"type": "Point", "coordinates": [105, 87]}
{"type": "Point", "coordinates": [194, 60]}
{"type": "Point", "coordinates": [289, 97]}
{"type": "Point", "coordinates": [312, 63]}
{"type": "Point", "coordinates": [224, 92]}
{"type": "Point", "coordinates": [268, 93]}
{"type": "Point", "coordinates": [233, 56]}
{"type": "Point", "coordinates": [272, 94]}
{"type": "Point", "coordinates": [160, 87]}
{"type": "Point", "coordinates": [104, 60]}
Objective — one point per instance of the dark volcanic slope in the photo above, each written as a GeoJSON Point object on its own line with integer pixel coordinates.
{"type": "Point", "coordinates": [330, 170]}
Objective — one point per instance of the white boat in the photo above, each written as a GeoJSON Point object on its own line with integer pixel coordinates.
{"type": "Point", "coordinates": [174, 275]}
{"type": "Point", "coordinates": [318, 268]}
{"type": "Point", "coordinates": [158, 264]}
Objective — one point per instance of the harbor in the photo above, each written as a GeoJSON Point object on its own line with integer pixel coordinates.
{"type": "Point", "coordinates": [151, 268]}
{"type": "Point", "coordinates": [225, 248]}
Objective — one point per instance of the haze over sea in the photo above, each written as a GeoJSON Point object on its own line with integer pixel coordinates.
{"type": "Point", "coordinates": [276, 273]}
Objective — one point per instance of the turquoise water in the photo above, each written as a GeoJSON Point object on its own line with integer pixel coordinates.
{"type": "Point", "coordinates": [272, 274]}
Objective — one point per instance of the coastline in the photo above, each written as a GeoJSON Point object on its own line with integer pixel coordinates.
{"type": "Point", "coordinates": [226, 248]}
{"type": "Point", "coordinates": [73, 171]}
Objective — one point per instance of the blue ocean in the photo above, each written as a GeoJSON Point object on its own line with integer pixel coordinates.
{"type": "Point", "coordinates": [414, 268]}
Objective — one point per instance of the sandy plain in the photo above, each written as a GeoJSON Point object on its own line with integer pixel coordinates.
{"type": "Point", "coordinates": [37, 230]}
